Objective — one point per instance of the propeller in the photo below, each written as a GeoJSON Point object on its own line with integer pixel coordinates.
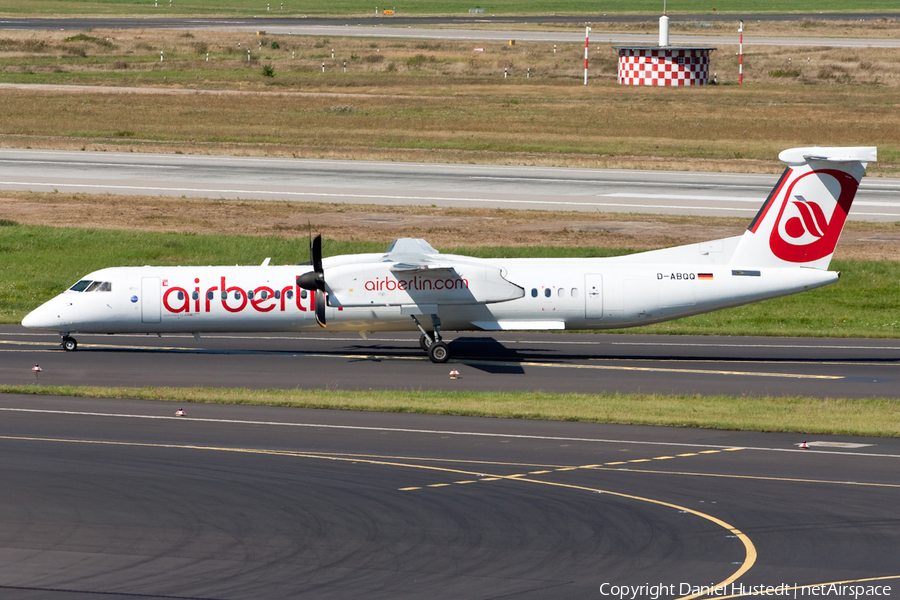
{"type": "Point", "coordinates": [315, 280]}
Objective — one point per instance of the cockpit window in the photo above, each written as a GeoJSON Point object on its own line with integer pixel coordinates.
{"type": "Point", "coordinates": [79, 287]}
{"type": "Point", "coordinates": [99, 286]}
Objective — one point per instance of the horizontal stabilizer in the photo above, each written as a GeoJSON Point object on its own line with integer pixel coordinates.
{"type": "Point", "coordinates": [799, 156]}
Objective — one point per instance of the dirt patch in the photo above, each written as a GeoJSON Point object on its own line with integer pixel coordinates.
{"type": "Point", "coordinates": [442, 227]}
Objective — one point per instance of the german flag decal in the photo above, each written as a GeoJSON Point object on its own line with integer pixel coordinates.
{"type": "Point", "coordinates": [705, 276]}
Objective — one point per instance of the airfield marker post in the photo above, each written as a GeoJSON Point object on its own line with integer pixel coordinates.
{"type": "Point", "coordinates": [587, 32]}
{"type": "Point", "coordinates": [741, 53]}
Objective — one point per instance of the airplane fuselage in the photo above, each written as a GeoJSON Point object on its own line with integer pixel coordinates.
{"type": "Point", "coordinates": [597, 293]}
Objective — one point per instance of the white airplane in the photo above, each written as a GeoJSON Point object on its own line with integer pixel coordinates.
{"type": "Point", "coordinates": [786, 249]}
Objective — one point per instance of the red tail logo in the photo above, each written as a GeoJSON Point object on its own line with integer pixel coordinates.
{"type": "Point", "coordinates": [807, 230]}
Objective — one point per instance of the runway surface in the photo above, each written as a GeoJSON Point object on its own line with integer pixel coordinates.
{"type": "Point", "coordinates": [120, 499]}
{"type": "Point", "coordinates": [387, 183]}
{"type": "Point", "coordinates": [585, 363]}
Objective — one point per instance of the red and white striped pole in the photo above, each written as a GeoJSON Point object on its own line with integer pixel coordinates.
{"type": "Point", "coordinates": [587, 31]}
{"type": "Point", "coordinates": [741, 54]}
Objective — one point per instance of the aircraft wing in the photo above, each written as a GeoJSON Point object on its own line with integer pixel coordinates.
{"type": "Point", "coordinates": [418, 268]}
{"type": "Point", "coordinates": [384, 285]}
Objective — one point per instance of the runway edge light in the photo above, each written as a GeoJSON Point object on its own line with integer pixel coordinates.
{"type": "Point", "coordinates": [179, 413]}
{"type": "Point", "coordinates": [454, 374]}
{"type": "Point", "coordinates": [803, 445]}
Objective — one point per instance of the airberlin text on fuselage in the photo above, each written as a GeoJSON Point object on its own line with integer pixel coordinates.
{"type": "Point", "coordinates": [416, 283]}
{"type": "Point", "coordinates": [234, 298]}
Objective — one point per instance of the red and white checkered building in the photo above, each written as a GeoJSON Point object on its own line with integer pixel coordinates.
{"type": "Point", "coordinates": [669, 65]}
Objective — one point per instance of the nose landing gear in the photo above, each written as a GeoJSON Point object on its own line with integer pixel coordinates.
{"type": "Point", "coordinates": [69, 343]}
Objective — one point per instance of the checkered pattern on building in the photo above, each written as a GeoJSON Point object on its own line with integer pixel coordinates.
{"type": "Point", "coordinates": [663, 67]}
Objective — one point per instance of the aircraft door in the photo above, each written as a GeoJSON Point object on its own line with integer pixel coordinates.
{"type": "Point", "coordinates": [151, 301]}
{"type": "Point", "coordinates": [593, 296]}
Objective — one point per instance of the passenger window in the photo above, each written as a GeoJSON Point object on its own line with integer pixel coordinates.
{"type": "Point", "coordinates": [534, 292]}
{"type": "Point", "coordinates": [278, 294]}
{"type": "Point", "coordinates": [195, 295]}
{"type": "Point", "coordinates": [224, 295]}
{"type": "Point", "coordinates": [547, 292]}
{"type": "Point", "coordinates": [290, 294]}
{"type": "Point", "coordinates": [574, 292]}
{"type": "Point", "coordinates": [181, 295]}
{"type": "Point", "coordinates": [250, 294]}
{"type": "Point", "coordinates": [237, 295]}
{"type": "Point", "coordinates": [79, 287]}
{"type": "Point", "coordinates": [561, 292]}
{"type": "Point", "coordinates": [264, 294]}
{"type": "Point", "coordinates": [210, 295]}
{"type": "Point", "coordinates": [303, 294]}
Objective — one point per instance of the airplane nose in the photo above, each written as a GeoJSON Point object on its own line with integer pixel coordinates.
{"type": "Point", "coordinates": [43, 317]}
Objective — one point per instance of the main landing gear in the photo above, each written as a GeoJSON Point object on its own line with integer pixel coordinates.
{"type": "Point", "coordinates": [69, 343]}
{"type": "Point", "coordinates": [438, 350]}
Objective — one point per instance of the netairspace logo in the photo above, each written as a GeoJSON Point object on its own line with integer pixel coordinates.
{"type": "Point", "coordinates": [656, 591]}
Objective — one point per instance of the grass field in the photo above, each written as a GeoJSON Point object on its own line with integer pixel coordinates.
{"type": "Point", "coordinates": [873, 417]}
{"type": "Point", "coordinates": [411, 7]}
{"type": "Point", "coordinates": [40, 262]}
{"type": "Point", "coordinates": [436, 101]}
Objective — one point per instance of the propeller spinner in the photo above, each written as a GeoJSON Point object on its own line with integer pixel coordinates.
{"type": "Point", "coordinates": [315, 279]}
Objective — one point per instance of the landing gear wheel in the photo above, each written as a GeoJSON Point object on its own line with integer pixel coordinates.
{"type": "Point", "coordinates": [69, 344]}
{"type": "Point", "coordinates": [439, 352]}
{"type": "Point", "coordinates": [425, 342]}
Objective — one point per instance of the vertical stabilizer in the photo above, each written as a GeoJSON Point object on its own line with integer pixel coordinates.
{"type": "Point", "coordinates": [801, 221]}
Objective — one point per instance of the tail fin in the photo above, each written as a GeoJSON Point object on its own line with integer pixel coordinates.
{"type": "Point", "coordinates": [801, 221]}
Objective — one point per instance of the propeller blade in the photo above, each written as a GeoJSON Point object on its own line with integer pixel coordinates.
{"type": "Point", "coordinates": [315, 279]}
{"type": "Point", "coordinates": [315, 256]}
{"type": "Point", "coordinates": [320, 308]}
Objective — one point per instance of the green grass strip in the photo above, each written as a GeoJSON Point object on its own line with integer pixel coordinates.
{"type": "Point", "coordinates": [840, 416]}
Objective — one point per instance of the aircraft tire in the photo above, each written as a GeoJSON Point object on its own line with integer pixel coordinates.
{"type": "Point", "coordinates": [69, 344]}
{"type": "Point", "coordinates": [424, 342]}
{"type": "Point", "coordinates": [439, 352]}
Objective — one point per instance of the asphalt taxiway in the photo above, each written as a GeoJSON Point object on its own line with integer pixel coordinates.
{"type": "Point", "coordinates": [587, 363]}
{"type": "Point", "coordinates": [121, 499]}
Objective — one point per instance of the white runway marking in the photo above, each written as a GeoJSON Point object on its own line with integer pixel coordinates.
{"type": "Point", "coordinates": [812, 346]}
{"type": "Point", "coordinates": [431, 431]}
